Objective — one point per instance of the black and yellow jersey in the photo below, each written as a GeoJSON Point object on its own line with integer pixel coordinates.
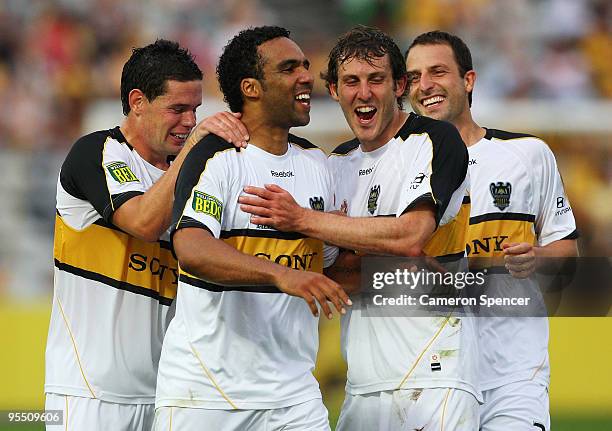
{"type": "Point", "coordinates": [111, 291]}
{"type": "Point", "coordinates": [244, 347]}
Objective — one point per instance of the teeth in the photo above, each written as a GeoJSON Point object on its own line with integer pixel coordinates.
{"type": "Point", "coordinates": [303, 96]}
{"type": "Point", "coordinates": [365, 109]}
{"type": "Point", "coordinates": [433, 100]}
{"type": "Point", "coordinates": [180, 135]}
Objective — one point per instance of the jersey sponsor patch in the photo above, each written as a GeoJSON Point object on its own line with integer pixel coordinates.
{"type": "Point", "coordinates": [121, 172]}
{"type": "Point", "coordinates": [207, 204]}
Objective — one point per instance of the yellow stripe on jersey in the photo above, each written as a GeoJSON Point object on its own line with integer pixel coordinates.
{"type": "Point", "coordinates": [485, 239]}
{"type": "Point", "coordinates": [450, 238]}
{"type": "Point", "coordinates": [117, 259]}
{"type": "Point", "coordinates": [305, 254]}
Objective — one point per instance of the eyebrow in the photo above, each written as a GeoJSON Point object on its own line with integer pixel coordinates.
{"type": "Point", "coordinates": [376, 74]}
{"type": "Point", "coordinates": [293, 63]}
{"type": "Point", "coordinates": [435, 66]}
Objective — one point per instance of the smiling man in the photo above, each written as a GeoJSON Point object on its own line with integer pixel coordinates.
{"type": "Point", "coordinates": [516, 195]}
{"type": "Point", "coordinates": [115, 276]}
{"type": "Point", "coordinates": [240, 351]}
{"type": "Point", "coordinates": [402, 181]}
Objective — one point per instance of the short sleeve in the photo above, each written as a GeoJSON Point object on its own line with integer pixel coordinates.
{"type": "Point", "coordinates": [98, 169]}
{"type": "Point", "coordinates": [554, 218]}
{"type": "Point", "coordinates": [200, 193]}
{"type": "Point", "coordinates": [437, 171]}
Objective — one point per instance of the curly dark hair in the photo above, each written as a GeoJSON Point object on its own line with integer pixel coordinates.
{"type": "Point", "coordinates": [462, 53]}
{"type": "Point", "coordinates": [240, 60]}
{"type": "Point", "coordinates": [149, 67]}
{"type": "Point", "coordinates": [364, 43]}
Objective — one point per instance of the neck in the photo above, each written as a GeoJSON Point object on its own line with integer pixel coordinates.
{"type": "Point", "coordinates": [470, 132]}
{"type": "Point", "coordinates": [396, 123]}
{"type": "Point", "coordinates": [138, 141]}
{"type": "Point", "coordinates": [270, 138]}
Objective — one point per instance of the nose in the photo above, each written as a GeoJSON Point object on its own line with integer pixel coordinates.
{"type": "Point", "coordinates": [425, 82]}
{"type": "Point", "coordinates": [189, 119]}
{"type": "Point", "coordinates": [306, 77]}
{"type": "Point", "coordinates": [364, 92]}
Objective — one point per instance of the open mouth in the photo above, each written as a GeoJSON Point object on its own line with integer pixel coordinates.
{"type": "Point", "coordinates": [432, 101]}
{"type": "Point", "coordinates": [179, 136]}
{"type": "Point", "coordinates": [303, 99]}
{"type": "Point", "coordinates": [365, 113]}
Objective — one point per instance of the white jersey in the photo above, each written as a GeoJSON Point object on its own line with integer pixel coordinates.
{"type": "Point", "coordinates": [112, 291]}
{"type": "Point", "coordinates": [425, 162]}
{"type": "Point", "coordinates": [244, 347]}
{"type": "Point", "coordinates": [516, 196]}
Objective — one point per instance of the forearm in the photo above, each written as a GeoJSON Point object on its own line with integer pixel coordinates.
{"type": "Point", "coordinates": [149, 215]}
{"type": "Point", "coordinates": [552, 257]}
{"type": "Point", "coordinates": [398, 236]}
{"type": "Point", "coordinates": [221, 263]}
{"type": "Point", "coordinates": [346, 271]}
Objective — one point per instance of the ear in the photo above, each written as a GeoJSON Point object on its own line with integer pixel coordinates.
{"type": "Point", "coordinates": [469, 80]}
{"type": "Point", "coordinates": [251, 88]}
{"type": "Point", "coordinates": [333, 91]}
{"type": "Point", "coordinates": [400, 86]}
{"type": "Point", "coordinates": [137, 100]}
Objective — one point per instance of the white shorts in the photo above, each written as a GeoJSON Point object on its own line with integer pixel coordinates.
{"type": "Point", "coordinates": [519, 406]}
{"type": "Point", "coordinates": [428, 409]}
{"type": "Point", "coordinates": [309, 416]}
{"type": "Point", "coordinates": [90, 414]}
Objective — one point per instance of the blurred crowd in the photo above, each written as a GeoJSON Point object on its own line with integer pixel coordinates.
{"type": "Point", "coordinates": [59, 58]}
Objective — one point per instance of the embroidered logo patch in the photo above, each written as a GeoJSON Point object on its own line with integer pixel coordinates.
{"type": "Point", "coordinates": [373, 199]}
{"type": "Point", "coordinates": [501, 194]}
{"type": "Point", "coordinates": [207, 204]}
{"type": "Point", "coordinates": [121, 172]}
{"type": "Point", "coordinates": [317, 203]}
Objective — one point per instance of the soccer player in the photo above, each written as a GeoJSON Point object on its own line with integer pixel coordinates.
{"type": "Point", "coordinates": [115, 276]}
{"type": "Point", "coordinates": [240, 351]}
{"type": "Point", "coordinates": [401, 181]}
{"type": "Point", "coordinates": [519, 212]}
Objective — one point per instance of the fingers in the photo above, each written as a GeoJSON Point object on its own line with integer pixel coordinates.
{"type": "Point", "coordinates": [256, 210]}
{"type": "Point", "coordinates": [519, 259]}
{"type": "Point", "coordinates": [227, 126]}
{"type": "Point", "coordinates": [252, 200]}
{"type": "Point", "coordinates": [517, 248]}
{"type": "Point", "coordinates": [275, 188]}
{"type": "Point", "coordinates": [257, 191]}
{"type": "Point", "coordinates": [330, 291]}
{"type": "Point", "coordinates": [311, 304]}
{"type": "Point", "coordinates": [321, 299]}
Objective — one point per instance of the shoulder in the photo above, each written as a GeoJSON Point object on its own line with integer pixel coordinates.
{"type": "Point", "coordinates": [442, 135]}
{"type": "Point", "coordinates": [523, 145]}
{"type": "Point", "coordinates": [302, 143]}
{"type": "Point", "coordinates": [91, 145]}
{"type": "Point", "coordinates": [346, 148]}
{"type": "Point", "coordinates": [210, 147]}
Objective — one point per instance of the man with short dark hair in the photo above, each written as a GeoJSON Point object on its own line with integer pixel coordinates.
{"type": "Point", "coordinates": [115, 276]}
{"type": "Point", "coordinates": [402, 181]}
{"type": "Point", "coordinates": [240, 351]}
{"type": "Point", "coordinates": [517, 198]}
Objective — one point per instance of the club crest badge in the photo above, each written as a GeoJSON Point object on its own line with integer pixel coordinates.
{"type": "Point", "coordinates": [501, 194]}
{"type": "Point", "coordinates": [373, 199]}
{"type": "Point", "coordinates": [344, 206]}
{"type": "Point", "coordinates": [317, 203]}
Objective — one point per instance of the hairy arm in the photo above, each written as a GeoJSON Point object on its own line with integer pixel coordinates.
{"type": "Point", "coordinates": [400, 236]}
